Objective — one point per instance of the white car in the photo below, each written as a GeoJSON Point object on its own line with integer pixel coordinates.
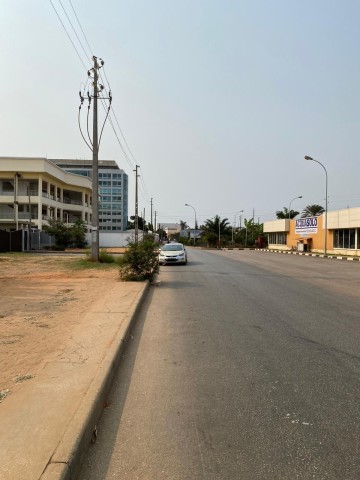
{"type": "Point", "coordinates": [173, 253]}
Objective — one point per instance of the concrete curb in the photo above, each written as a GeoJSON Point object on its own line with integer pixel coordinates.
{"type": "Point", "coordinates": [309, 254]}
{"type": "Point", "coordinates": [67, 459]}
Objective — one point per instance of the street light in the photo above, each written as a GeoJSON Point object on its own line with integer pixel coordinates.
{"type": "Point", "coordinates": [219, 234]}
{"type": "Point", "coordinates": [232, 240]}
{"type": "Point", "coordinates": [326, 197]}
{"type": "Point", "coordinates": [188, 205]}
{"type": "Point", "coordinates": [291, 203]}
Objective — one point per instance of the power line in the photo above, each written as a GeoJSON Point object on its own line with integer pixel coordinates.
{"type": "Point", "coordinates": [107, 111]}
{"type": "Point", "coordinates": [86, 40]}
{"type": "Point", "coordinates": [67, 33]}
{"type": "Point", "coordinates": [144, 186]}
{"type": "Point", "coordinates": [72, 26]}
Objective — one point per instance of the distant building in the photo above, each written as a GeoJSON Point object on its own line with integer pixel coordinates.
{"type": "Point", "coordinates": [32, 190]}
{"type": "Point", "coordinates": [170, 228]}
{"type": "Point", "coordinates": [113, 191]}
{"type": "Point", "coordinates": [308, 234]}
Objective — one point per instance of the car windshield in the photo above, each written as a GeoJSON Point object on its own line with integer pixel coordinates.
{"type": "Point", "coordinates": [172, 247]}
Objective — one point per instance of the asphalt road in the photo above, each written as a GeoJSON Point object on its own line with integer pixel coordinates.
{"type": "Point", "coordinates": [243, 365]}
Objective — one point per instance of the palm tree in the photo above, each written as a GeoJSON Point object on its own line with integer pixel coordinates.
{"type": "Point", "coordinates": [281, 214]}
{"type": "Point", "coordinates": [183, 225]}
{"type": "Point", "coordinates": [215, 228]}
{"type": "Point", "coordinates": [312, 211]}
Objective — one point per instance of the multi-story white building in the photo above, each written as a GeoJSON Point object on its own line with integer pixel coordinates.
{"type": "Point", "coordinates": [32, 190]}
{"type": "Point", "coordinates": [113, 191]}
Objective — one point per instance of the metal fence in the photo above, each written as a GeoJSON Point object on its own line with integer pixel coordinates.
{"type": "Point", "coordinates": [24, 240]}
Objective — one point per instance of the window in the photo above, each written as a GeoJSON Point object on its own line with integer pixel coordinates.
{"type": "Point", "coordinates": [345, 238]}
{"type": "Point", "coordinates": [277, 238]}
{"type": "Point", "coordinates": [84, 173]}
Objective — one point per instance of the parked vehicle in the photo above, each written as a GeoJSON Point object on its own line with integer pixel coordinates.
{"type": "Point", "coordinates": [173, 253]}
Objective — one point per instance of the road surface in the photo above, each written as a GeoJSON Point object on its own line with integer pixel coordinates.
{"type": "Point", "coordinates": [242, 366]}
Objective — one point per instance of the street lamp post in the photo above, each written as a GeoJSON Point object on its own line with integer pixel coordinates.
{"type": "Point", "coordinates": [326, 198]}
{"type": "Point", "coordinates": [219, 234]}
{"type": "Point", "coordinates": [188, 205]}
{"type": "Point", "coordinates": [232, 239]}
{"type": "Point", "coordinates": [291, 203]}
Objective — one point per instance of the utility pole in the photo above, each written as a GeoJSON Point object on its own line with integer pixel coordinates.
{"type": "Point", "coordinates": [155, 223]}
{"type": "Point", "coordinates": [94, 147]}
{"type": "Point", "coordinates": [95, 170]}
{"type": "Point", "coordinates": [16, 203]}
{"type": "Point", "coordinates": [136, 205]}
{"type": "Point", "coordinates": [151, 215]}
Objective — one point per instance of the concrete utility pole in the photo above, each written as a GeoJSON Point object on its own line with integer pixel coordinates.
{"type": "Point", "coordinates": [94, 147]}
{"type": "Point", "coordinates": [95, 179]}
{"type": "Point", "coordinates": [136, 205]}
{"type": "Point", "coordinates": [151, 215]}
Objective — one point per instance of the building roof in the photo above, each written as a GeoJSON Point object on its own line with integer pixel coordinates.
{"type": "Point", "coordinates": [86, 163]}
{"type": "Point", "coordinates": [169, 225]}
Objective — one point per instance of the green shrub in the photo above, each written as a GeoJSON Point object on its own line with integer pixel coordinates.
{"type": "Point", "coordinates": [140, 262]}
{"type": "Point", "coordinates": [66, 235]}
{"type": "Point", "coordinates": [105, 257]}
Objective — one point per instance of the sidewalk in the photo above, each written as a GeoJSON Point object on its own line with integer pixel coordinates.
{"type": "Point", "coordinates": [48, 425]}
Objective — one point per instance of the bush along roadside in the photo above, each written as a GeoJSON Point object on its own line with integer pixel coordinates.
{"type": "Point", "coordinates": [140, 262]}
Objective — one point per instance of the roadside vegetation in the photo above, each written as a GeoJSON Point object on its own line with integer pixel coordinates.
{"type": "Point", "coordinates": [140, 261]}
{"type": "Point", "coordinates": [66, 235]}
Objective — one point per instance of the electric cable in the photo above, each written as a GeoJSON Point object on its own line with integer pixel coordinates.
{"type": "Point", "coordinates": [144, 185]}
{"type": "Point", "coordinates": [72, 26]}
{"type": "Point", "coordinates": [110, 112]}
{"type": "Point", "coordinates": [117, 122]}
{"type": "Point", "coordinates": [87, 117]}
{"type": "Point", "coordinates": [86, 40]}
{"type": "Point", "coordinates": [90, 146]}
{"type": "Point", "coordinates": [107, 114]}
{"type": "Point", "coordinates": [67, 33]}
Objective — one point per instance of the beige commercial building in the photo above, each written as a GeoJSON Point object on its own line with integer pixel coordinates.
{"type": "Point", "coordinates": [35, 189]}
{"type": "Point", "coordinates": [308, 234]}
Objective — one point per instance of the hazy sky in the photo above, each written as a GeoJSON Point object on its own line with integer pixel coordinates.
{"type": "Point", "coordinates": [219, 101]}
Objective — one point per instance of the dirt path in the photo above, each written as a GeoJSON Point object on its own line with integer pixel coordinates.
{"type": "Point", "coordinates": [42, 300]}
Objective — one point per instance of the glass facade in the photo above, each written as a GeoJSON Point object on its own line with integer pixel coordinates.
{"type": "Point", "coordinates": [278, 238]}
{"type": "Point", "coordinates": [347, 238]}
{"type": "Point", "coordinates": [113, 191]}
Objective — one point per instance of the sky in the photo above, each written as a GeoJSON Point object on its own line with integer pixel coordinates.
{"type": "Point", "coordinates": [217, 101]}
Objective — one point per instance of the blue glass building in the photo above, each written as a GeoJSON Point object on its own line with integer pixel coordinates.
{"type": "Point", "coordinates": [113, 191]}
